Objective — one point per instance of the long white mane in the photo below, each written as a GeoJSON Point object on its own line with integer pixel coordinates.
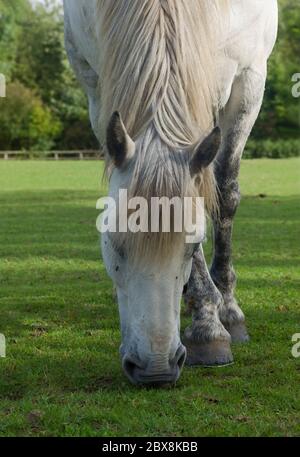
{"type": "Point", "coordinates": [158, 64]}
{"type": "Point", "coordinates": [157, 67]}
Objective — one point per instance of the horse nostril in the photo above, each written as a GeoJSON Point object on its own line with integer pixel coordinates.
{"type": "Point", "coordinates": [180, 357]}
{"type": "Point", "coordinates": [130, 368]}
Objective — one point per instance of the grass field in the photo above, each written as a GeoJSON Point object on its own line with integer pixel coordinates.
{"type": "Point", "coordinates": [62, 375]}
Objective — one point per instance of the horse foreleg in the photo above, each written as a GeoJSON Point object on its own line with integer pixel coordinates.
{"type": "Point", "coordinates": [236, 123]}
{"type": "Point", "coordinates": [206, 340]}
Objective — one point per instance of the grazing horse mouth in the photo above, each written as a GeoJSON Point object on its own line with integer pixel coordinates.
{"type": "Point", "coordinates": [157, 377]}
{"type": "Point", "coordinates": [158, 380]}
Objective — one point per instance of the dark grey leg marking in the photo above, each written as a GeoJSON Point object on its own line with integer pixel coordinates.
{"type": "Point", "coordinates": [236, 121]}
{"type": "Point", "coordinates": [217, 318]}
{"type": "Point", "coordinates": [206, 340]}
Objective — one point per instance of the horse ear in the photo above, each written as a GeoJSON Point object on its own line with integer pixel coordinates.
{"type": "Point", "coordinates": [119, 144]}
{"type": "Point", "coordinates": [206, 152]}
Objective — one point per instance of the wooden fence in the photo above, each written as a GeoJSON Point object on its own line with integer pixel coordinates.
{"type": "Point", "coordinates": [52, 155]}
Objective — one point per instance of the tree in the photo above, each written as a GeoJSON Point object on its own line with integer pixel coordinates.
{"type": "Point", "coordinates": [40, 54]}
{"type": "Point", "coordinates": [10, 15]}
{"type": "Point", "coordinates": [33, 54]}
{"type": "Point", "coordinates": [25, 122]}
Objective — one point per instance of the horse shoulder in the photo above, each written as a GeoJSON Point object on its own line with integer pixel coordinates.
{"type": "Point", "coordinates": [252, 32]}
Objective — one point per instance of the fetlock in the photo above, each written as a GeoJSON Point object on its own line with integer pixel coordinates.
{"type": "Point", "coordinates": [207, 343]}
{"type": "Point", "coordinates": [206, 326]}
{"type": "Point", "coordinates": [233, 319]}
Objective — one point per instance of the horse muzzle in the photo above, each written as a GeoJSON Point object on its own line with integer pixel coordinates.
{"type": "Point", "coordinates": [157, 370]}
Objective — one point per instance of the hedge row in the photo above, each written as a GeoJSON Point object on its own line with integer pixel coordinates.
{"type": "Point", "coordinates": [273, 149]}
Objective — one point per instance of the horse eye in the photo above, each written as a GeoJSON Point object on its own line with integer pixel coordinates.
{"type": "Point", "coordinates": [191, 250]}
{"type": "Point", "coordinates": [195, 248]}
{"type": "Point", "coordinates": [119, 248]}
{"type": "Point", "coordinates": [120, 251]}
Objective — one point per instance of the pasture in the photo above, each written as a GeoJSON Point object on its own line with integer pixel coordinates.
{"type": "Point", "coordinates": [62, 374]}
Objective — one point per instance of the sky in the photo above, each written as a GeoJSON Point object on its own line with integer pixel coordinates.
{"type": "Point", "coordinates": [44, 1]}
{"type": "Point", "coordinates": [36, 2]}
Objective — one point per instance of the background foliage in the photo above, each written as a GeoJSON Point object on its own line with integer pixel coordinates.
{"type": "Point", "coordinates": [46, 108]}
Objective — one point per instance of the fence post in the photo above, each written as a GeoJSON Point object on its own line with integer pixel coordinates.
{"type": "Point", "coordinates": [2, 345]}
{"type": "Point", "coordinates": [2, 86]}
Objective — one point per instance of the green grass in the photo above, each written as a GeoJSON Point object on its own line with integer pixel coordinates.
{"type": "Point", "coordinates": [62, 375]}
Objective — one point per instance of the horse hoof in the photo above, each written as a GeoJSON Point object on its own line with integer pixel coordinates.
{"type": "Point", "coordinates": [214, 354]}
{"type": "Point", "coordinates": [238, 333]}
